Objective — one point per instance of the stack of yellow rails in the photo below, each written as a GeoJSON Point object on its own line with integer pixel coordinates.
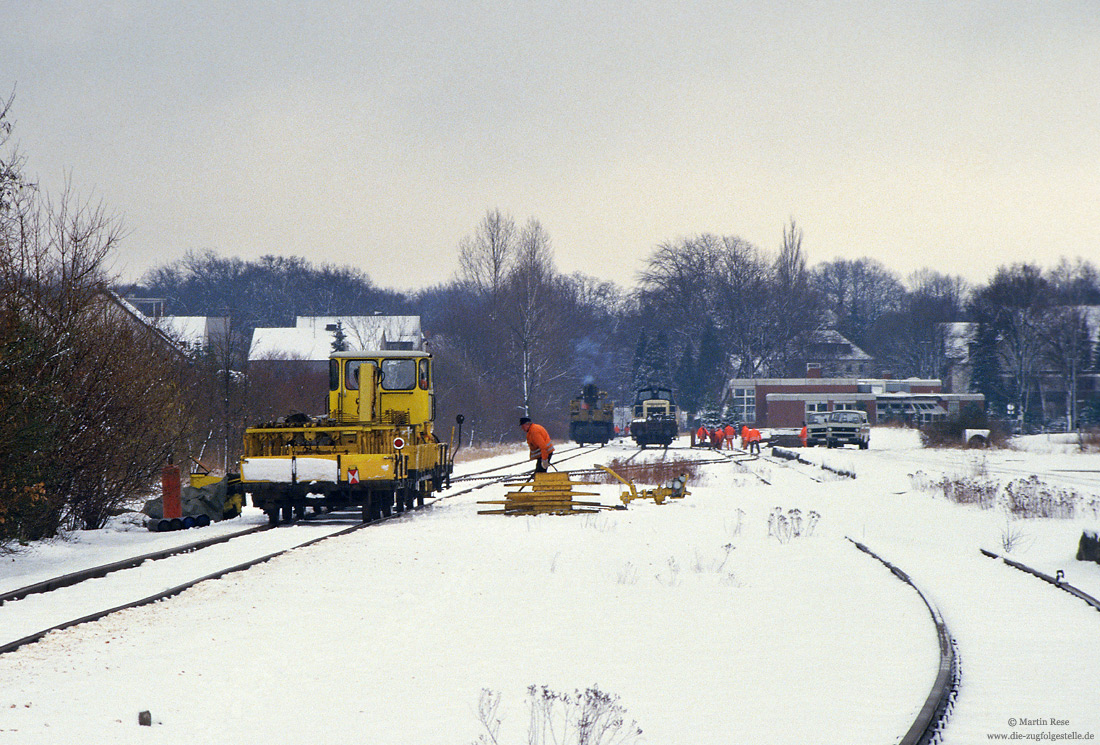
{"type": "Point", "coordinates": [545, 493]}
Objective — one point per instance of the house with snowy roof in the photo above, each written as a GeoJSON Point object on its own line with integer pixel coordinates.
{"type": "Point", "coordinates": [826, 353]}
{"type": "Point", "coordinates": [196, 333]}
{"type": "Point", "coordinates": [291, 364]}
{"type": "Point", "coordinates": [312, 338]}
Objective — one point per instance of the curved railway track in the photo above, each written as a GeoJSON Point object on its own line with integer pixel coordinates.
{"type": "Point", "coordinates": [1056, 580]}
{"type": "Point", "coordinates": [937, 706]}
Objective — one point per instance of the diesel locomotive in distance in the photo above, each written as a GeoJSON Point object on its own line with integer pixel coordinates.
{"type": "Point", "coordinates": [591, 416]}
{"type": "Point", "coordinates": [654, 417]}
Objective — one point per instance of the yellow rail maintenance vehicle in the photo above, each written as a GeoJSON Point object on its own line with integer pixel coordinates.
{"type": "Point", "coordinates": [375, 449]}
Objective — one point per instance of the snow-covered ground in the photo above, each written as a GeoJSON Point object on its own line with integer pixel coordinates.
{"type": "Point", "coordinates": [707, 628]}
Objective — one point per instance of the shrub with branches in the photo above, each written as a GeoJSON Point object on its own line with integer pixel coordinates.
{"type": "Point", "coordinates": [654, 472]}
{"type": "Point", "coordinates": [91, 400]}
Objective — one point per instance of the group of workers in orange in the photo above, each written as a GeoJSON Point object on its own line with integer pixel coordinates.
{"type": "Point", "coordinates": [750, 437]}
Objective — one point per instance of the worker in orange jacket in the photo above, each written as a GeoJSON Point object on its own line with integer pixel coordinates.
{"type": "Point", "coordinates": [754, 441]}
{"type": "Point", "coordinates": [538, 441]}
{"type": "Point", "coordinates": [744, 436]}
{"type": "Point", "coordinates": [716, 438]}
{"type": "Point", "coordinates": [804, 435]}
{"type": "Point", "coordinates": [701, 436]}
{"type": "Point", "coordinates": [730, 433]}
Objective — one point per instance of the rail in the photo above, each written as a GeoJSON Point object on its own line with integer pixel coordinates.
{"type": "Point", "coordinates": [937, 707]}
{"type": "Point", "coordinates": [1055, 580]}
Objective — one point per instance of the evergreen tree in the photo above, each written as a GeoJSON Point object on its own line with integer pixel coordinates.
{"type": "Point", "coordinates": [687, 381]}
{"type": "Point", "coordinates": [639, 371]}
{"type": "Point", "coordinates": [986, 377]}
{"type": "Point", "coordinates": [711, 365]}
{"type": "Point", "coordinates": [657, 357]}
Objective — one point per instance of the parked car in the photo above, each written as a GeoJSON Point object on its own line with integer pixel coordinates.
{"type": "Point", "coordinates": [817, 428]}
{"type": "Point", "coordinates": [848, 428]}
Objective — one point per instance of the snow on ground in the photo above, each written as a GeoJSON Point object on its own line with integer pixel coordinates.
{"type": "Point", "coordinates": [707, 628]}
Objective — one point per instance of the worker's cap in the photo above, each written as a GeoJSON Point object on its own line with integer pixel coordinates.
{"type": "Point", "coordinates": [523, 420]}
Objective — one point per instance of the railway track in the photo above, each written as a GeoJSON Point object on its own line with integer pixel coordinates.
{"type": "Point", "coordinates": [61, 615]}
{"type": "Point", "coordinates": [937, 706]}
{"type": "Point", "coordinates": [1056, 580]}
{"type": "Point", "coordinates": [59, 603]}
{"type": "Point", "coordinates": [328, 524]}
{"type": "Point", "coordinates": [1019, 638]}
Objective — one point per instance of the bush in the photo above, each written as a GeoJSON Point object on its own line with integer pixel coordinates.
{"type": "Point", "coordinates": [91, 399]}
{"type": "Point", "coordinates": [657, 473]}
{"type": "Point", "coordinates": [1088, 549]}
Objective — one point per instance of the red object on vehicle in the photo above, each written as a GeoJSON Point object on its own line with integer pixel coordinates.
{"type": "Point", "coordinates": [170, 492]}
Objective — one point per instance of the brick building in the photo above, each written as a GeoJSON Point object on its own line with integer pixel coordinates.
{"type": "Point", "coordinates": [785, 402]}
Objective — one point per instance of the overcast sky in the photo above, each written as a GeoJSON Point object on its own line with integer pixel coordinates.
{"type": "Point", "coordinates": [952, 135]}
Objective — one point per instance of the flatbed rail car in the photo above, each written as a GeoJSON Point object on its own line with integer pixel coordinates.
{"type": "Point", "coordinates": [375, 449]}
{"type": "Point", "coordinates": [654, 417]}
{"type": "Point", "coordinates": [591, 416]}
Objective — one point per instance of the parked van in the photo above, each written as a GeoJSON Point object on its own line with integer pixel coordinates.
{"type": "Point", "coordinates": [848, 427]}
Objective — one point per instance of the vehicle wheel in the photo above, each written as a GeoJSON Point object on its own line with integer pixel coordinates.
{"type": "Point", "coordinates": [272, 516]}
{"type": "Point", "coordinates": [863, 445]}
{"type": "Point", "coordinates": [288, 513]}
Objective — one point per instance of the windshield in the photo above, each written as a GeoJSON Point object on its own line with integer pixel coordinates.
{"type": "Point", "coordinates": [846, 417]}
{"type": "Point", "coordinates": [398, 375]}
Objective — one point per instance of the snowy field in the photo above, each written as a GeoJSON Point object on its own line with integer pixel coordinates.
{"type": "Point", "coordinates": [706, 627]}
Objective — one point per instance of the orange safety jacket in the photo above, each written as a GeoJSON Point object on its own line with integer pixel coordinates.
{"type": "Point", "coordinates": [754, 435]}
{"type": "Point", "coordinates": [538, 440]}
{"type": "Point", "coordinates": [701, 434]}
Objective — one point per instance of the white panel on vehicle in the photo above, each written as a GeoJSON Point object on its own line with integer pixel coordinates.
{"type": "Point", "coordinates": [265, 469]}
{"type": "Point", "coordinates": [282, 470]}
{"type": "Point", "coordinates": [317, 469]}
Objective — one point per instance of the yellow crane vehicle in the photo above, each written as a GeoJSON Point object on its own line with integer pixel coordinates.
{"type": "Point", "coordinates": [375, 449]}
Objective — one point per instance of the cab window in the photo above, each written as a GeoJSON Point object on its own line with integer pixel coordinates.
{"type": "Point", "coordinates": [425, 380]}
{"type": "Point", "coordinates": [352, 373]}
{"type": "Point", "coordinates": [398, 375]}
